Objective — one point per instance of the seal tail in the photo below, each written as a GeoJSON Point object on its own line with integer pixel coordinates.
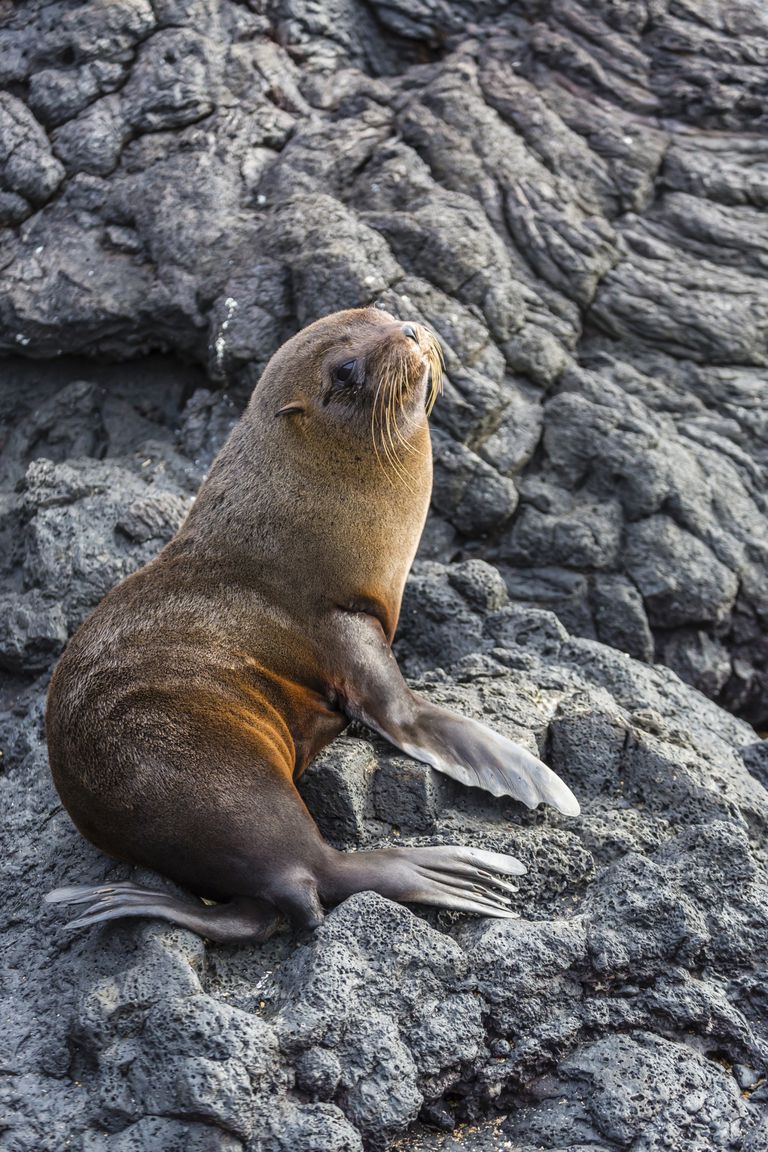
{"type": "Point", "coordinates": [240, 919]}
{"type": "Point", "coordinates": [446, 876]}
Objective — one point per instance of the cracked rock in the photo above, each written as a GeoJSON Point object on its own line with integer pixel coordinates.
{"type": "Point", "coordinates": [572, 196]}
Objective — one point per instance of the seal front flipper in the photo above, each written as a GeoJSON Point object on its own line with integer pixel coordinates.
{"type": "Point", "coordinates": [476, 755]}
{"type": "Point", "coordinates": [374, 691]}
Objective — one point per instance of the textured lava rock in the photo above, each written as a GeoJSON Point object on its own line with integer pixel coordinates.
{"type": "Point", "coordinates": [573, 196]}
{"type": "Point", "coordinates": [627, 1002]}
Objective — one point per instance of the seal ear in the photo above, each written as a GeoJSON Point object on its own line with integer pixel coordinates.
{"type": "Point", "coordinates": [290, 409]}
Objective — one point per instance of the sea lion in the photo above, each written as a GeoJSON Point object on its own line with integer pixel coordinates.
{"type": "Point", "coordinates": [188, 704]}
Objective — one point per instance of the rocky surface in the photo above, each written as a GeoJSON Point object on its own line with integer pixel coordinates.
{"type": "Point", "coordinates": [574, 197]}
{"type": "Point", "coordinates": [627, 1005]}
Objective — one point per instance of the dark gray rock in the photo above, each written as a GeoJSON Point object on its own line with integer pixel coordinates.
{"type": "Point", "coordinates": [438, 618]}
{"type": "Point", "coordinates": [32, 631]}
{"type": "Point", "coordinates": [337, 787]}
{"type": "Point", "coordinates": [680, 579]}
{"type": "Point", "coordinates": [640, 945]}
{"type": "Point", "coordinates": [573, 196]}
{"type": "Point", "coordinates": [68, 424]}
{"type": "Point", "coordinates": [29, 174]}
{"type": "Point", "coordinates": [615, 1088]}
{"type": "Point", "coordinates": [89, 525]}
{"type": "Point", "coordinates": [698, 658]}
{"type": "Point", "coordinates": [585, 535]}
{"type": "Point", "coordinates": [481, 585]}
{"type": "Point", "coordinates": [170, 1135]}
{"type": "Point", "coordinates": [408, 795]}
{"type": "Point", "coordinates": [474, 497]}
{"type": "Point", "coordinates": [316, 1127]}
{"type": "Point", "coordinates": [755, 756]}
{"type": "Point", "coordinates": [339, 997]}
{"type": "Point", "coordinates": [621, 621]}
{"type": "Point", "coordinates": [757, 1138]}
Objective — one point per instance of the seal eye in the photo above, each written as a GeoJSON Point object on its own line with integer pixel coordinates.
{"type": "Point", "coordinates": [344, 373]}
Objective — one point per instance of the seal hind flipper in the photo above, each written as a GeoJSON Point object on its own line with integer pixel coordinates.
{"type": "Point", "coordinates": [375, 692]}
{"type": "Point", "coordinates": [240, 919]}
{"type": "Point", "coordinates": [445, 876]}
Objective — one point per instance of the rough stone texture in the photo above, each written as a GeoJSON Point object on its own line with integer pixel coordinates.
{"type": "Point", "coordinates": [627, 1005]}
{"type": "Point", "coordinates": [574, 196]}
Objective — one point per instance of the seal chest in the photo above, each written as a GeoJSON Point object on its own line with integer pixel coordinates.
{"type": "Point", "coordinates": [185, 707]}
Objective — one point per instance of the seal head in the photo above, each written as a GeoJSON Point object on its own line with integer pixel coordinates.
{"type": "Point", "coordinates": [365, 374]}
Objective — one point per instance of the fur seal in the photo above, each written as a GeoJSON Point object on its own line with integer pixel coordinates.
{"type": "Point", "coordinates": [191, 700]}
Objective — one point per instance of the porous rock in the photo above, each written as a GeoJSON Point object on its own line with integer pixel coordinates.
{"type": "Point", "coordinates": [573, 198]}
{"type": "Point", "coordinates": [627, 999]}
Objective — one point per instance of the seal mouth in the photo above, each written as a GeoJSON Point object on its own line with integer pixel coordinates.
{"type": "Point", "coordinates": [409, 365]}
{"type": "Point", "coordinates": [408, 361]}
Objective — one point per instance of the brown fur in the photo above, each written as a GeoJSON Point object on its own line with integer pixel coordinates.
{"type": "Point", "coordinates": [202, 686]}
{"type": "Point", "coordinates": [188, 704]}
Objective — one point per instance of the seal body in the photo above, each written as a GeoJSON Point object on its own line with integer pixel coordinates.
{"type": "Point", "coordinates": [188, 704]}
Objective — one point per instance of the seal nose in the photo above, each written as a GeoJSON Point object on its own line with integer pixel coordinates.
{"type": "Point", "coordinates": [409, 331]}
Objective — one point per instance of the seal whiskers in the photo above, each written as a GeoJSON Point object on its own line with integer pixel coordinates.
{"type": "Point", "coordinates": [389, 408]}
